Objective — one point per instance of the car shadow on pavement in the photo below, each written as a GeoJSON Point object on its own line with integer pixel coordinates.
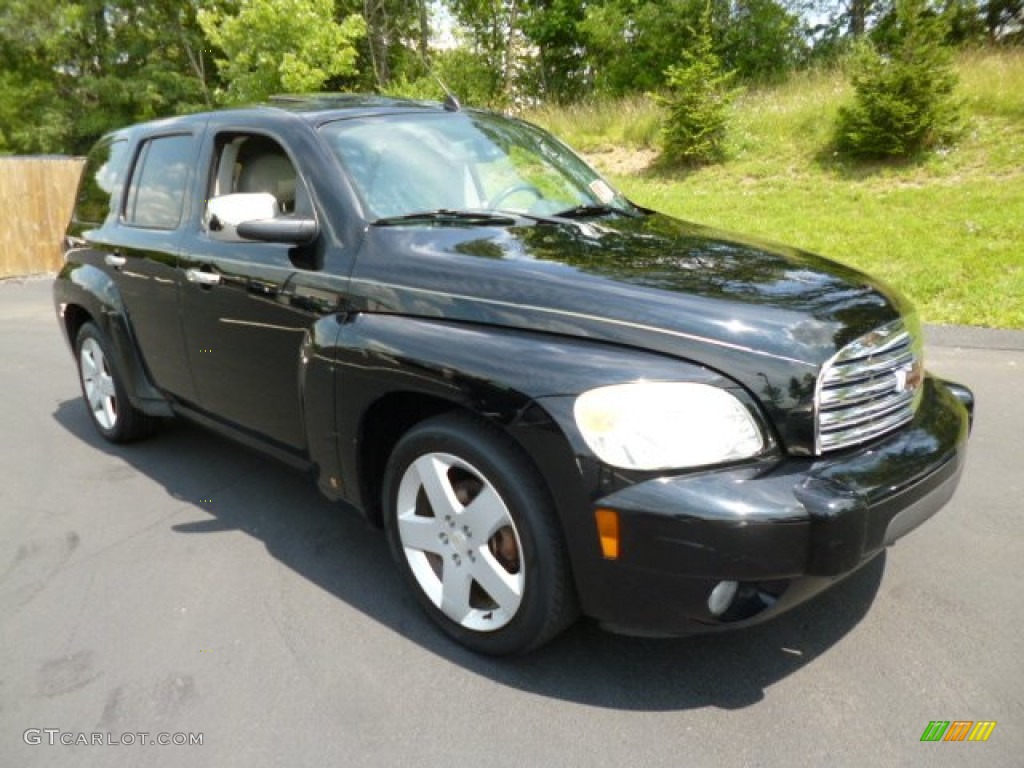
{"type": "Point", "coordinates": [335, 549]}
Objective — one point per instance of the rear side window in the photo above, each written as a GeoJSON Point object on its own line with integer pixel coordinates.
{"type": "Point", "coordinates": [156, 194]}
{"type": "Point", "coordinates": [101, 181]}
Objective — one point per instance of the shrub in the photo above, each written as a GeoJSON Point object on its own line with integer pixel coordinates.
{"type": "Point", "coordinates": [904, 94]}
{"type": "Point", "coordinates": [696, 103]}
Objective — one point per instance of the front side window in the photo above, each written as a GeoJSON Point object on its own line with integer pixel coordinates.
{"type": "Point", "coordinates": [251, 163]}
{"type": "Point", "coordinates": [156, 194]}
{"type": "Point", "coordinates": [252, 179]}
{"type": "Point", "coordinates": [101, 181]}
{"type": "Point", "coordinates": [409, 163]}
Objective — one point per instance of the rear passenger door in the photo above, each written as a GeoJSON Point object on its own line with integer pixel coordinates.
{"type": "Point", "coordinates": [142, 254]}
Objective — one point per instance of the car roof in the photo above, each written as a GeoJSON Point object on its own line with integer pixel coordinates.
{"type": "Point", "coordinates": [316, 109]}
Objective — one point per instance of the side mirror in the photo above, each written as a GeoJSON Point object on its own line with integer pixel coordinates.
{"type": "Point", "coordinates": [223, 214]}
{"type": "Point", "coordinates": [290, 230]}
{"type": "Point", "coordinates": [256, 216]}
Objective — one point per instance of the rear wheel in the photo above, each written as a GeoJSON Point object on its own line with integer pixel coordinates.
{"type": "Point", "coordinates": [114, 417]}
{"type": "Point", "coordinates": [474, 532]}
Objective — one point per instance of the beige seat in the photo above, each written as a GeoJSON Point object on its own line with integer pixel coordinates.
{"type": "Point", "coordinates": [272, 173]}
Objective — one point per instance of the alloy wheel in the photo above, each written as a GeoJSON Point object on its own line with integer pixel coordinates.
{"type": "Point", "coordinates": [460, 541]}
{"type": "Point", "coordinates": [98, 383]}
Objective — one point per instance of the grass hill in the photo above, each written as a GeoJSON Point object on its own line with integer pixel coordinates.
{"type": "Point", "coordinates": [947, 230]}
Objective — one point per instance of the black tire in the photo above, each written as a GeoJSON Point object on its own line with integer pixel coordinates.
{"type": "Point", "coordinates": [106, 400]}
{"type": "Point", "coordinates": [487, 476]}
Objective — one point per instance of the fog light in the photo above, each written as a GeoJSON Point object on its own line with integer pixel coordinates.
{"type": "Point", "coordinates": [721, 597]}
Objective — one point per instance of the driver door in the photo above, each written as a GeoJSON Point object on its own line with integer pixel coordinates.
{"type": "Point", "coordinates": [243, 328]}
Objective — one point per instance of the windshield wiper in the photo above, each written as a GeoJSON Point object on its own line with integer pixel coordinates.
{"type": "Point", "coordinates": [447, 216]}
{"type": "Point", "coordinates": [591, 209]}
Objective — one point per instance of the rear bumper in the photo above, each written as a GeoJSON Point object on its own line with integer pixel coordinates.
{"type": "Point", "coordinates": [783, 530]}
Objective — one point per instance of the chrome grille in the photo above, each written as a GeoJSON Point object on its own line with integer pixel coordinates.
{"type": "Point", "coordinates": [870, 387]}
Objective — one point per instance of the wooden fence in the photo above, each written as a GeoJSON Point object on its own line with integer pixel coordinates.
{"type": "Point", "coordinates": [36, 198]}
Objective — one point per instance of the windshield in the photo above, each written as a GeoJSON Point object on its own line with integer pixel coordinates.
{"type": "Point", "coordinates": [411, 163]}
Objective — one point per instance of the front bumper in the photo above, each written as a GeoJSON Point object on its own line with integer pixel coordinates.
{"type": "Point", "coordinates": [783, 530]}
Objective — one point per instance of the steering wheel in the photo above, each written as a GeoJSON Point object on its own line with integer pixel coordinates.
{"type": "Point", "coordinates": [512, 189]}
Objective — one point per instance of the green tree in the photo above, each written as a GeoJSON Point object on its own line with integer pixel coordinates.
{"type": "Point", "coordinates": [760, 40]}
{"type": "Point", "coordinates": [697, 103]}
{"type": "Point", "coordinates": [552, 27]}
{"type": "Point", "coordinates": [495, 35]}
{"type": "Point", "coordinates": [1004, 21]}
{"type": "Point", "coordinates": [473, 81]}
{"type": "Point", "coordinates": [962, 20]}
{"type": "Point", "coordinates": [904, 100]}
{"type": "Point", "coordinates": [858, 13]}
{"type": "Point", "coordinates": [631, 43]}
{"type": "Point", "coordinates": [397, 40]}
{"type": "Point", "coordinates": [965, 22]}
{"type": "Point", "coordinates": [281, 45]}
{"type": "Point", "coordinates": [32, 117]}
{"type": "Point", "coordinates": [70, 71]}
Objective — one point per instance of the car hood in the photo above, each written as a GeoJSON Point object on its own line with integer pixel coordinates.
{"type": "Point", "coordinates": [764, 315]}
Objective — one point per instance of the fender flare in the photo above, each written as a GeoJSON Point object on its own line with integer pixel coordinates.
{"type": "Point", "coordinates": [83, 292]}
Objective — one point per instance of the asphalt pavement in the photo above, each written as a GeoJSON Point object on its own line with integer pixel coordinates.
{"type": "Point", "coordinates": [186, 585]}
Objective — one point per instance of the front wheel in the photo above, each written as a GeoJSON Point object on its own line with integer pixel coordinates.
{"type": "Point", "coordinates": [113, 415]}
{"type": "Point", "coordinates": [474, 533]}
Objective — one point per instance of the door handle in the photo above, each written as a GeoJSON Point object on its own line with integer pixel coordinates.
{"type": "Point", "coordinates": [114, 260]}
{"type": "Point", "coordinates": [199, 277]}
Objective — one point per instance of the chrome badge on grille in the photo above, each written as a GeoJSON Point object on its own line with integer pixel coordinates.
{"type": "Point", "coordinates": [909, 378]}
{"type": "Point", "coordinates": [869, 388]}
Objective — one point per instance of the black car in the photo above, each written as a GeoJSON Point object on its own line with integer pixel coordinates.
{"type": "Point", "coordinates": [554, 401]}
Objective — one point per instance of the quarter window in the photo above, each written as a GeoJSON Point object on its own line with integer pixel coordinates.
{"type": "Point", "coordinates": [101, 181]}
{"type": "Point", "coordinates": [156, 195]}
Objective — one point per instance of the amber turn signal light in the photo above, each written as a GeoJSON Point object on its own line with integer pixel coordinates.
{"type": "Point", "coordinates": [608, 532]}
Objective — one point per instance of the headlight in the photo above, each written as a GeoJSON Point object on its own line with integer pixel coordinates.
{"type": "Point", "coordinates": [666, 425]}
